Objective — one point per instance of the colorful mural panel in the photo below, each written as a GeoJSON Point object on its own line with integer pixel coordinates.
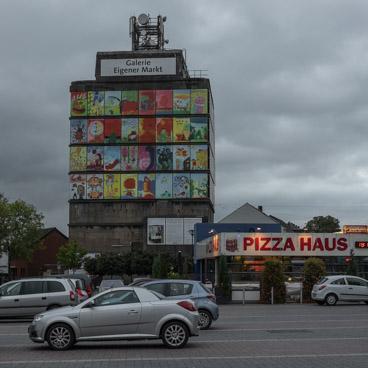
{"type": "Point", "coordinates": [181, 101]}
{"type": "Point", "coordinates": [78, 158]}
{"type": "Point", "coordinates": [164, 101]}
{"type": "Point", "coordinates": [95, 186]}
{"type": "Point", "coordinates": [199, 185]}
{"type": "Point", "coordinates": [181, 129]}
{"type": "Point", "coordinates": [164, 186]}
{"type": "Point", "coordinates": [129, 186]}
{"type": "Point", "coordinates": [199, 157]}
{"type": "Point", "coordinates": [95, 132]}
{"type": "Point", "coordinates": [78, 188]}
{"type": "Point", "coordinates": [181, 186]}
{"type": "Point", "coordinates": [181, 157]}
{"type": "Point", "coordinates": [111, 186]}
{"type": "Point", "coordinates": [129, 103]}
{"type": "Point", "coordinates": [147, 102]}
{"type": "Point", "coordinates": [78, 103]}
{"type": "Point", "coordinates": [78, 131]}
{"type": "Point", "coordinates": [198, 130]}
{"type": "Point", "coordinates": [112, 158]}
{"type": "Point", "coordinates": [112, 102]}
{"type": "Point", "coordinates": [147, 130]}
{"type": "Point", "coordinates": [146, 186]}
{"type": "Point", "coordinates": [146, 158]}
{"type": "Point", "coordinates": [199, 101]}
{"type": "Point", "coordinates": [95, 158]}
{"type": "Point", "coordinates": [112, 131]}
{"type": "Point", "coordinates": [164, 130]}
{"type": "Point", "coordinates": [129, 130]}
{"type": "Point", "coordinates": [96, 102]}
{"type": "Point", "coordinates": [164, 158]}
{"type": "Point", "coordinates": [129, 158]}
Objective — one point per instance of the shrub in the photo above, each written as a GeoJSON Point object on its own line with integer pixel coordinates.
{"type": "Point", "coordinates": [273, 277]}
{"type": "Point", "coordinates": [314, 269]}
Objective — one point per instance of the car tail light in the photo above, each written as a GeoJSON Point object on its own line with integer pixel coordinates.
{"type": "Point", "coordinates": [321, 287]}
{"type": "Point", "coordinates": [212, 297]}
{"type": "Point", "coordinates": [79, 292]}
{"type": "Point", "coordinates": [72, 295]}
{"type": "Point", "coordinates": [187, 305]}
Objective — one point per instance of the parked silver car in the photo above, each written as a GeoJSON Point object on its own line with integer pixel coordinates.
{"type": "Point", "coordinates": [331, 289]}
{"type": "Point", "coordinates": [118, 314]}
{"type": "Point", "coordinates": [204, 299]}
{"type": "Point", "coordinates": [28, 297]}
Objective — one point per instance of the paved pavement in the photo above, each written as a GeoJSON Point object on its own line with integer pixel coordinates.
{"type": "Point", "coordinates": [257, 336]}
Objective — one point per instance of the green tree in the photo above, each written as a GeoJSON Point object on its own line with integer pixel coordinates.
{"type": "Point", "coordinates": [314, 269]}
{"type": "Point", "coordinates": [90, 265]}
{"type": "Point", "coordinates": [161, 266]}
{"type": "Point", "coordinates": [323, 224]}
{"type": "Point", "coordinates": [20, 229]}
{"type": "Point", "coordinates": [71, 255]}
{"type": "Point", "coordinates": [273, 277]}
{"type": "Point", "coordinates": [110, 264]}
{"type": "Point", "coordinates": [139, 263]}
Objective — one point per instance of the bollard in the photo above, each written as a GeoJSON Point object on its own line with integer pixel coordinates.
{"type": "Point", "coordinates": [272, 295]}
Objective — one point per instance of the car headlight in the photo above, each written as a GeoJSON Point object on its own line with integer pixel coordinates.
{"type": "Point", "coordinates": [38, 317]}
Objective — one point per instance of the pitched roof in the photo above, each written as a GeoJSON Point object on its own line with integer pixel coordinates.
{"type": "Point", "coordinates": [47, 231]}
{"type": "Point", "coordinates": [247, 214]}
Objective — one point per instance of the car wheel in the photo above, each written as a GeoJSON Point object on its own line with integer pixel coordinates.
{"type": "Point", "coordinates": [175, 335]}
{"type": "Point", "coordinates": [205, 319]}
{"type": "Point", "coordinates": [331, 299]}
{"type": "Point", "coordinates": [320, 302]}
{"type": "Point", "coordinates": [60, 336]}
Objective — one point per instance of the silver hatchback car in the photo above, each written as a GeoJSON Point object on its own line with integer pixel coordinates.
{"type": "Point", "coordinates": [125, 313]}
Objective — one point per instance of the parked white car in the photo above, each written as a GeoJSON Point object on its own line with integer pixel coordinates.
{"type": "Point", "coordinates": [331, 289]}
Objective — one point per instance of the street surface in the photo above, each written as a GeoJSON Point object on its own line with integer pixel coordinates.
{"type": "Point", "coordinates": [256, 336]}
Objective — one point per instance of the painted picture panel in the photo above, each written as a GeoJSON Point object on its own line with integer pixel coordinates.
{"type": "Point", "coordinates": [147, 102]}
{"type": "Point", "coordinates": [129, 130]}
{"type": "Point", "coordinates": [181, 157]}
{"type": "Point", "coordinates": [199, 101]}
{"type": "Point", "coordinates": [112, 102]}
{"type": "Point", "coordinates": [146, 158]}
{"type": "Point", "coordinates": [164, 101]}
{"type": "Point", "coordinates": [95, 158]}
{"type": "Point", "coordinates": [78, 104]}
{"type": "Point", "coordinates": [129, 186]}
{"type": "Point", "coordinates": [181, 101]}
{"type": "Point", "coordinates": [146, 186]}
{"type": "Point", "coordinates": [111, 186]}
{"type": "Point", "coordinates": [164, 158]}
{"type": "Point", "coordinates": [78, 189]}
{"type": "Point", "coordinates": [198, 129]}
{"type": "Point", "coordinates": [147, 130]}
{"type": "Point", "coordinates": [181, 186]}
{"type": "Point", "coordinates": [181, 129]}
{"type": "Point", "coordinates": [112, 131]}
{"type": "Point", "coordinates": [164, 186]}
{"type": "Point", "coordinates": [95, 132]}
{"type": "Point", "coordinates": [199, 185]}
{"type": "Point", "coordinates": [95, 186]}
{"type": "Point", "coordinates": [78, 158]}
{"type": "Point", "coordinates": [96, 102]}
{"type": "Point", "coordinates": [112, 158]}
{"type": "Point", "coordinates": [129, 158]}
{"type": "Point", "coordinates": [199, 157]}
{"type": "Point", "coordinates": [78, 131]}
{"type": "Point", "coordinates": [129, 103]}
{"type": "Point", "coordinates": [164, 130]}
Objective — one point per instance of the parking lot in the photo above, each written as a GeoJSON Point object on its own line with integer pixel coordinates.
{"type": "Point", "coordinates": [254, 335]}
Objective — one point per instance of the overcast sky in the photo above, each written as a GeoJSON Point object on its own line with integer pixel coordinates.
{"type": "Point", "coordinates": [289, 80]}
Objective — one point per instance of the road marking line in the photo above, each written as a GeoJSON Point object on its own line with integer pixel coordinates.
{"type": "Point", "coordinates": [232, 357]}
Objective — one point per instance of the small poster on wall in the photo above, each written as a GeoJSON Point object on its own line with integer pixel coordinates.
{"type": "Point", "coordinates": [198, 129]}
{"type": "Point", "coordinates": [199, 157]}
{"type": "Point", "coordinates": [112, 158]}
{"type": "Point", "coordinates": [155, 231]}
{"type": "Point", "coordinates": [146, 157]}
{"type": "Point", "coordinates": [199, 185]}
{"type": "Point", "coordinates": [164, 158]}
{"type": "Point", "coordinates": [78, 131]}
{"type": "Point", "coordinates": [129, 130]}
{"type": "Point", "coordinates": [112, 102]}
{"type": "Point", "coordinates": [95, 131]}
{"type": "Point", "coordinates": [181, 102]}
{"type": "Point", "coordinates": [164, 101]}
{"type": "Point", "coordinates": [112, 131]}
{"type": "Point", "coordinates": [111, 186]}
{"type": "Point", "coordinates": [78, 188]}
{"type": "Point", "coordinates": [147, 102]}
{"type": "Point", "coordinates": [181, 157]}
{"type": "Point", "coordinates": [164, 130]}
{"type": "Point", "coordinates": [94, 186]}
{"type": "Point", "coordinates": [146, 186]}
{"type": "Point", "coordinates": [129, 158]}
{"type": "Point", "coordinates": [147, 130]}
{"type": "Point", "coordinates": [163, 186]}
{"type": "Point", "coordinates": [181, 186]}
{"type": "Point", "coordinates": [129, 186]}
{"type": "Point", "coordinates": [199, 101]}
{"type": "Point", "coordinates": [181, 129]}
{"type": "Point", "coordinates": [78, 104]}
{"type": "Point", "coordinates": [129, 103]}
{"type": "Point", "coordinates": [78, 158]}
{"type": "Point", "coordinates": [95, 158]}
{"type": "Point", "coordinates": [96, 102]}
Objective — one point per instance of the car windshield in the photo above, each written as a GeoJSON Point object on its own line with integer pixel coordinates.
{"type": "Point", "coordinates": [111, 283]}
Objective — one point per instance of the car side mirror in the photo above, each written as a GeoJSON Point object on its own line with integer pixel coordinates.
{"type": "Point", "coordinates": [91, 304]}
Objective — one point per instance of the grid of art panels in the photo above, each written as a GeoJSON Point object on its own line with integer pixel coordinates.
{"type": "Point", "coordinates": [142, 102]}
{"type": "Point", "coordinates": [138, 186]}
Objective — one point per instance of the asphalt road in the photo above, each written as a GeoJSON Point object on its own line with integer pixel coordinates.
{"type": "Point", "coordinates": [245, 336]}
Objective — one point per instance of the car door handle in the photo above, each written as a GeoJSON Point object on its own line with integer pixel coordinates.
{"type": "Point", "coordinates": [133, 311]}
{"type": "Point", "coordinates": [350, 288]}
{"type": "Point", "coordinates": [16, 300]}
{"type": "Point", "coordinates": [43, 298]}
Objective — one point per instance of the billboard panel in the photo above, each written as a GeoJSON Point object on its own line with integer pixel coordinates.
{"type": "Point", "coordinates": [129, 103]}
{"type": "Point", "coordinates": [78, 131]}
{"type": "Point", "coordinates": [146, 186]}
{"type": "Point", "coordinates": [199, 185]}
{"type": "Point", "coordinates": [147, 102]}
{"type": "Point", "coordinates": [163, 186]}
{"type": "Point", "coordinates": [129, 130]}
{"type": "Point", "coordinates": [129, 158]}
{"type": "Point", "coordinates": [112, 158]}
{"type": "Point", "coordinates": [111, 186]}
{"type": "Point", "coordinates": [198, 129]}
{"type": "Point", "coordinates": [181, 186]}
{"type": "Point", "coordinates": [146, 158]}
{"type": "Point", "coordinates": [129, 186]}
{"type": "Point", "coordinates": [181, 157]}
{"type": "Point", "coordinates": [164, 130]}
{"type": "Point", "coordinates": [112, 131]}
{"type": "Point", "coordinates": [78, 189]}
{"type": "Point", "coordinates": [96, 102]}
{"type": "Point", "coordinates": [78, 158]}
{"type": "Point", "coordinates": [95, 158]}
{"type": "Point", "coordinates": [174, 231]}
{"type": "Point", "coordinates": [95, 132]}
{"type": "Point", "coordinates": [95, 186]}
{"type": "Point", "coordinates": [147, 130]}
{"type": "Point", "coordinates": [78, 104]}
{"type": "Point", "coordinates": [181, 129]}
{"type": "Point", "coordinates": [164, 101]}
{"type": "Point", "coordinates": [199, 101]}
{"type": "Point", "coordinates": [164, 158]}
{"type": "Point", "coordinates": [112, 102]}
{"type": "Point", "coordinates": [188, 229]}
{"type": "Point", "coordinates": [199, 157]}
{"type": "Point", "coordinates": [155, 231]}
{"type": "Point", "coordinates": [181, 101]}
